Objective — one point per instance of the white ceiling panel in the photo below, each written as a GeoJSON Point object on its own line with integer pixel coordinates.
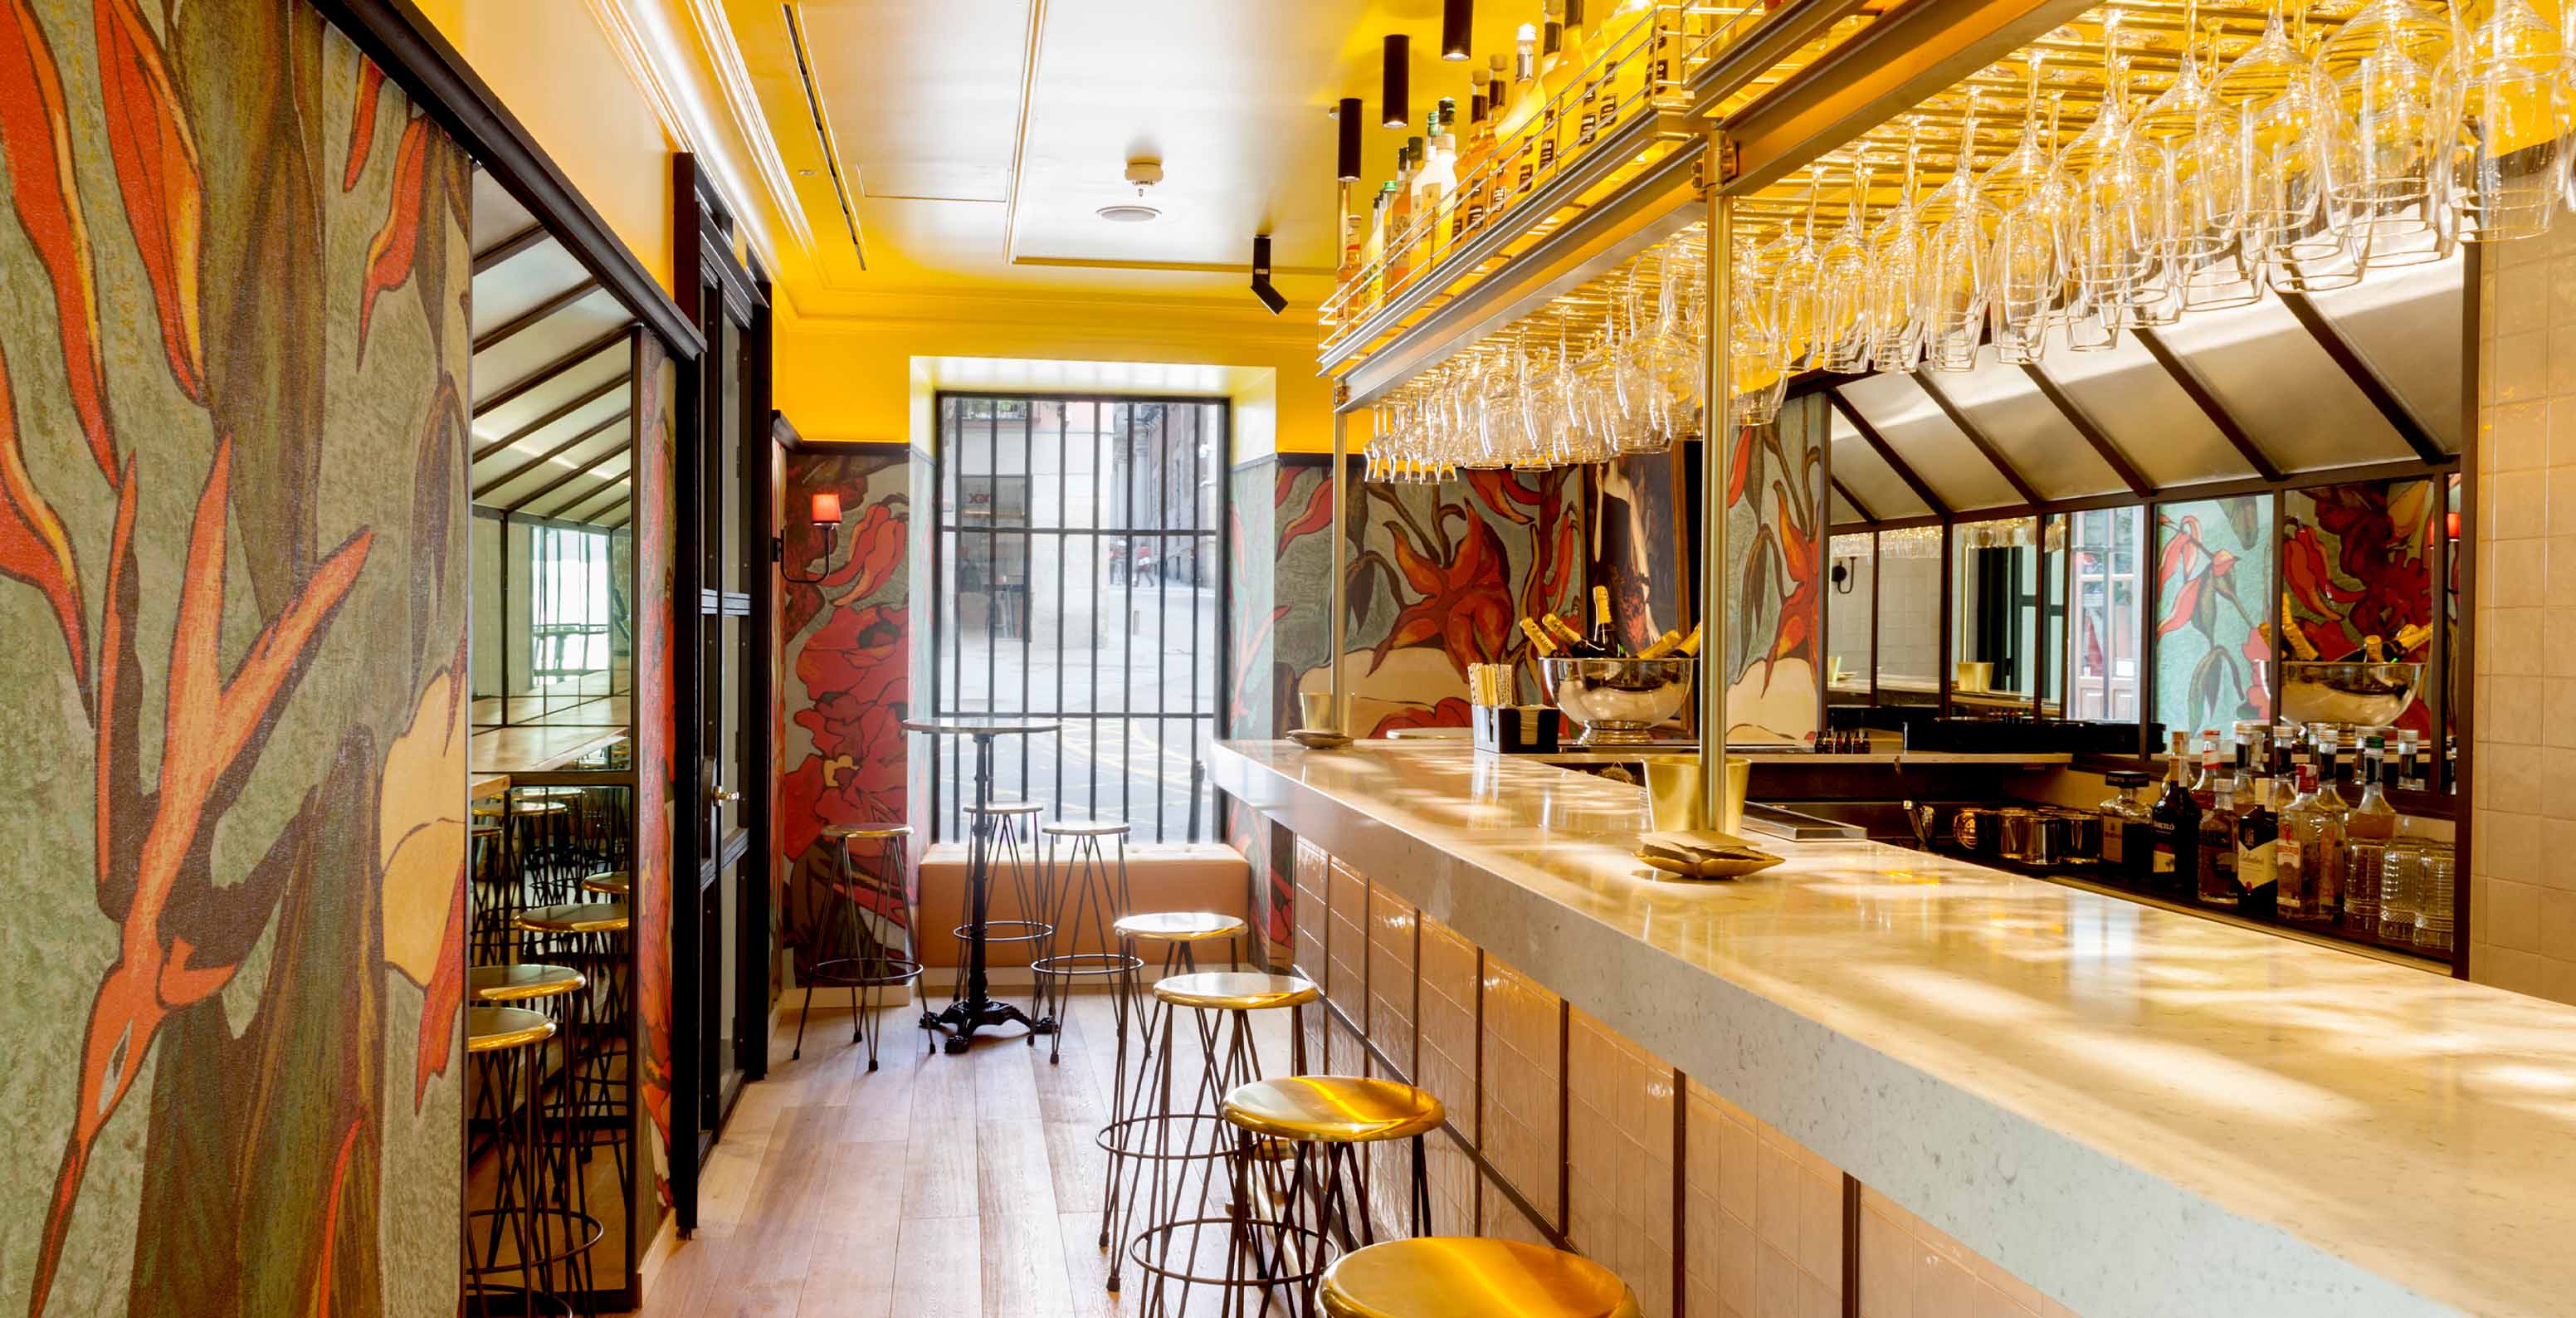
{"type": "Point", "coordinates": [2283, 389]}
{"type": "Point", "coordinates": [2407, 323]}
{"type": "Point", "coordinates": [584, 321]}
{"type": "Point", "coordinates": [2001, 401]}
{"type": "Point", "coordinates": [1858, 468]}
{"type": "Point", "coordinates": [2146, 416]}
{"type": "Point", "coordinates": [1924, 439]}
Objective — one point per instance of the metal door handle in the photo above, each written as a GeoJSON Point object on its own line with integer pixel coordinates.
{"type": "Point", "coordinates": [721, 796]}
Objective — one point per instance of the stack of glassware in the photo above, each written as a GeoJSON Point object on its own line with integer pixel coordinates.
{"type": "Point", "coordinates": [2214, 171]}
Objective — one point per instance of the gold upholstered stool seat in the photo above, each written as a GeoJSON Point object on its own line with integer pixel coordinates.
{"type": "Point", "coordinates": [576, 918]}
{"type": "Point", "coordinates": [1236, 990]}
{"type": "Point", "coordinates": [609, 883]}
{"type": "Point", "coordinates": [591, 939]}
{"type": "Point", "coordinates": [1333, 1109]}
{"type": "Point", "coordinates": [1180, 926]}
{"type": "Point", "coordinates": [868, 832]}
{"type": "Point", "coordinates": [526, 982]}
{"type": "Point", "coordinates": [1462, 1277]}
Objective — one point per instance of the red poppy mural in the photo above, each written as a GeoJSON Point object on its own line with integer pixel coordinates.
{"type": "Point", "coordinates": [847, 687]}
{"type": "Point", "coordinates": [250, 899]}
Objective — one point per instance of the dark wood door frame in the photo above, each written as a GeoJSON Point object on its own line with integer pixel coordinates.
{"type": "Point", "coordinates": [713, 287]}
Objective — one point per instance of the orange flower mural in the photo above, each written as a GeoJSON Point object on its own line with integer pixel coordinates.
{"type": "Point", "coordinates": [243, 881]}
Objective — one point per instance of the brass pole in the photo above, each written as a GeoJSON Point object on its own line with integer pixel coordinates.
{"type": "Point", "coordinates": [1716, 434]}
{"type": "Point", "coordinates": [1339, 589]}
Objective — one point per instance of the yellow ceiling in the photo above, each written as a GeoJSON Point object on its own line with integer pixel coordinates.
{"type": "Point", "coordinates": [931, 113]}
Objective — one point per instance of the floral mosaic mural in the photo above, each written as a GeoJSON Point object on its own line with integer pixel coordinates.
{"type": "Point", "coordinates": [232, 545]}
{"type": "Point", "coordinates": [1775, 530]}
{"type": "Point", "coordinates": [1438, 577]}
{"type": "Point", "coordinates": [656, 509]}
{"type": "Point", "coordinates": [846, 690]}
{"type": "Point", "coordinates": [2213, 628]}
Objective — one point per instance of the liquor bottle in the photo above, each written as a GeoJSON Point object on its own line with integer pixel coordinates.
{"type": "Point", "coordinates": [1399, 215]}
{"type": "Point", "coordinates": [2217, 860]}
{"type": "Point", "coordinates": [2176, 824]}
{"type": "Point", "coordinates": [1541, 644]}
{"type": "Point", "coordinates": [1690, 643]}
{"type": "Point", "coordinates": [1436, 186]}
{"type": "Point", "coordinates": [2311, 852]}
{"type": "Point", "coordinates": [1373, 251]}
{"type": "Point", "coordinates": [2329, 768]}
{"type": "Point", "coordinates": [2258, 850]}
{"type": "Point", "coordinates": [1514, 132]}
{"type": "Point", "coordinates": [2124, 826]}
{"type": "Point", "coordinates": [1468, 214]}
{"type": "Point", "coordinates": [1555, 74]}
{"type": "Point", "coordinates": [2371, 817]}
{"type": "Point", "coordinates": [1624, 36]}
{"type": "Point", "coordinates": [2408, 774]}
{"type": "Point", "coordinates": [1604, 638]}
{"type": "Point", "coordinates": [2204, 789]}
{"type": "Point", "coordinates": [1580, 89]}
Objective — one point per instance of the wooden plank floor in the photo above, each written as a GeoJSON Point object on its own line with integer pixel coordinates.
{"type": "Point", "coordinates": [935, 1187]}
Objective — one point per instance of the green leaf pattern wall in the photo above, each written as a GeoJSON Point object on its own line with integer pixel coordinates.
{"type": "Point", "coordinates": [233, 354]}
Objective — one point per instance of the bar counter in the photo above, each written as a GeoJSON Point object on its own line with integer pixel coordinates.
{"type": "Point", "coordinates": [2137, 1112]}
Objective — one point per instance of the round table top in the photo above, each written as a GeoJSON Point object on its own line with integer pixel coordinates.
{"type": "Point", "coordinates": [975, 727]}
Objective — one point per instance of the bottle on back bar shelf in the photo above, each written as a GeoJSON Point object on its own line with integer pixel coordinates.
{"type": "Point", "coordinates": [2258, 851]}
{"type": "Point", "coordinates": [1604, 637]}
{"type": "Point", "coordinates": [2409, 772]}
{"type": "Point", "coordinates": [2204, 788]}
{"type": "Point", "coordinates": [2176, 820]}
{"type": "Point", "coordinates": [2311, 857]}
{"type": "Point", "coordinates": [2124, 826]}
{"type": "Point", "coordinates": [2217, 860]}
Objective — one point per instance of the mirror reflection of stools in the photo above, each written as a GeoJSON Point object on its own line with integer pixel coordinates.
{"type": "Point", "coordinates": [1177, 1140]}
{"type": "Point", "coordinates": [507, 1047]}
{"type": "Point", "coordinates": [1089, 883]}
{"type": "Point", "coordinates": [847, 942]}
{"type": "Point", "coordinates": [564, 1224]}
{"type": "Point", "coordinates": [612, 884]}
{"type": "Point", "coordinates": [1327, 1120]}
{"type": "Point", "coordinates": [498, 897]}
{"type": "Point", "coordinates": [1471, 1277]}
{"type": "Point", "coordinates": [1011, 849]}
{"type": "Point", "coordinates": [591, 937]}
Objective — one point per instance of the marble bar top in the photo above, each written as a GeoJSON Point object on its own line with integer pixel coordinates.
{"type": "Point", "coordinates": [2141, 1112]}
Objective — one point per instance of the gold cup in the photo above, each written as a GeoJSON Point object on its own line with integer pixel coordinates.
{"type": "Point", "coordinates": [1317, 707]}
{"type": "Point", "coordinates": [1672, 795]}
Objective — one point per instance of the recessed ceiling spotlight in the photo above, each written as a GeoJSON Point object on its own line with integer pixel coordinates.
{"type": "Point", "coordinates": [1129, 213]}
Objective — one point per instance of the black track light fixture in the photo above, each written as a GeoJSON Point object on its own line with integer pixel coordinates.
{"type": "Point", "coordinates": [1457, 28]}
{"type": "Point", "coordinates": [1395, 91]}
{"type": "Point", "coordinates": [1261, 276]}
{"type": "Point", "coordinates": [1346, 122]}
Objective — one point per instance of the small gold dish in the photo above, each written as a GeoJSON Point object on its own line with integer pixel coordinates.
{"type": "Point", "coordinates": [1702, 855]}
{"type": "Point", "coordinates": [1315, 739]}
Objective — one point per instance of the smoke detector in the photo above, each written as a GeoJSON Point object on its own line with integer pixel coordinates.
{"type": "Point", "coordinates": [1143, 174]}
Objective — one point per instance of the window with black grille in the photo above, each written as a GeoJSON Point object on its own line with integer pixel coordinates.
{"type": "Point", "coordinates": [1081, 572]}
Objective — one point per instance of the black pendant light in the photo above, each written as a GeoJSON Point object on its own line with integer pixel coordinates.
{"type": "Point", "coordinates": [1457, 28]}
{"type": "Point", "coordinates": [1346, 121]}
{"type": "Point", "coordinates": [1395, 103]}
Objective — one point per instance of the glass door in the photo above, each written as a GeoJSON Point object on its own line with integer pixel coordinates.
{"type": "Point", "coordinates": [720, 940]}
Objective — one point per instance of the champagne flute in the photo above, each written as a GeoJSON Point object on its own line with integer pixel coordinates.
{"type": "Point", "coordinates": [2506, 114]}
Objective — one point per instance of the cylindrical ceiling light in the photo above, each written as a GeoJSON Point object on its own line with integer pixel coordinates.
{"type": "Point", "coordinates": [1346, 121]}
{"type": "Point", "coordinates": [1457, 28]}
{"type": "Point", "coordinates": [1395, 104]}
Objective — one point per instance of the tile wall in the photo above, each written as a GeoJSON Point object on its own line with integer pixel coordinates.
{"type": "Point", "coordinates": [2522, 930]}
{"type": "Point", "coordinates": [1705, 1211]}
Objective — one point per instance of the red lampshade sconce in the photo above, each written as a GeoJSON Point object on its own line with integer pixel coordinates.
{"type": "Point", "coordinates": [827, 515]}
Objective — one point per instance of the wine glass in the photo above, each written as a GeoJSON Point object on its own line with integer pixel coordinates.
{"type": "Point", "coordinates": [1896, 272]}
{"type": "Point", "coordinates": [2505, 116]}
{"type": "Point", "coordinates": [2381, 70]}
{"type": "Point", "coordinates": [2027, 190]}
{"type": "Point", "coordinates": [1954, 286]}
{"type": "Point", "coordinates": [1842, 282]}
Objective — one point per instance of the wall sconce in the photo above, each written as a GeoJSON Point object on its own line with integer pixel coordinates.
{"type": "Point", "coordinates": [826, 514]}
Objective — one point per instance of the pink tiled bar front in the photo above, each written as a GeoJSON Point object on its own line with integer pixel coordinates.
{"type": "Point", "coordinates": [1882, 1082]}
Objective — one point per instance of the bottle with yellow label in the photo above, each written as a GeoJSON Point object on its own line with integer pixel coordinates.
{"type": "Point", "coordinates": [1556, 78]}
{"type": "Point", "coordinates": [1435, 186]}
{"type": "Point", "coordinates": [1631, 35]}
{"type": "Point", "coordinates": [1469, 211]}
{"type": "Point", "coordinates": [1515, 133]}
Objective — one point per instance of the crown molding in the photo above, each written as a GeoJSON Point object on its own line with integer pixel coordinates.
{"type": "Point", "coordinates": [645, 49]}
{"type": "Point", "coordinates": [1191, 318]}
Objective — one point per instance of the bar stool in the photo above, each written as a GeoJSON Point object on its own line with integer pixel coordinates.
{"type": "Point", "coordinates": [591, 937]}
{"type": "Point", "coordinates": [1010, 849]}
{"type": "Point", "coordinates": [1221, 1003]}
{"type": "Point", "coordinates": [613, 884]}
{"type": "Point", "coordinates": [863, 964]}
{"type": "Point", "coordinates": [1091, 896]}
{"type": "Point", "coordinates": [1471, 1277]}
{"type": "Point", "coordinates": [566, 1196]}
{"type": "Point", "coordinates": [506, 1046]}
{"type": "Point", "coordinates": [1338, 1114]}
